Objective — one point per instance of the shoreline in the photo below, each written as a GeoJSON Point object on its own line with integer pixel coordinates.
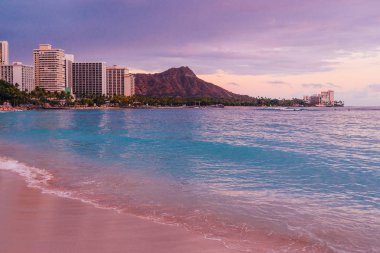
{"type": "Point", "coordinates": [23, 108]}
{"type": "Point", "coordinates": [29, 202]}
{"type": "Point", "coordinates": [45, 223]}
{"type": "Point", "coordinates": [67, 183]}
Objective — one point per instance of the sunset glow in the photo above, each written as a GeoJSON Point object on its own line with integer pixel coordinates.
{"type": "Point", "coordinates": [259, 48]}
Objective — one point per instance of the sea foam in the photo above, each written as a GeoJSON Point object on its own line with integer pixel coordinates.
{"type": "Point", "coordinates": [40, 179]}
{"type": "Point", "coordinates": [35, 177]}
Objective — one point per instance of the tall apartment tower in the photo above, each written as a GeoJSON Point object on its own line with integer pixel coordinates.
{"type": "Point", "coordinates": [327, 97]}
{"type": "Point", "coordinates": [131, 85]}
{"type": "Point", "coordinates": [69, 59]}
{"type": "Point", "coordinates": [331, 97]}
{"type": "Point", "coordinates": [89, 79]}
{"type": "Point", "coordinates": [4, 53]}
{"type": "Point", "coordinates": [120, 82]}
{"type": "Point", "coordinates": [18, 74]}
{"type": "Point", "coordinates": [49, 68]}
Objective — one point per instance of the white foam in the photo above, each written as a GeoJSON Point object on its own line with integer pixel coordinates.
{"type": "Point", "coordinates": [36, 178]}
{"type": "Point", "coordinates": [39, 179]}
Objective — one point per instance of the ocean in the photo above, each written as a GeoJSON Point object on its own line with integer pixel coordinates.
{"type": "Point", "coordinates": [256, 180]}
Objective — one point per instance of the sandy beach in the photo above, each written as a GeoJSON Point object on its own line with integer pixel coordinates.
{"type": "Point", "coordinates": [32, 221]}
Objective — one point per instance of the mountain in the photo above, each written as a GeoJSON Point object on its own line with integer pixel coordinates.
{"type": "Point", "coordinates": [178, 82]}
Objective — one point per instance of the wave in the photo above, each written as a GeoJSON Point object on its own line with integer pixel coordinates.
{"type": "Point", "coordinates": [35, 177]}
{"type": "Point", "coordinates": [41, 179]}
{"type": "Point", "coordinates": [234, 235]}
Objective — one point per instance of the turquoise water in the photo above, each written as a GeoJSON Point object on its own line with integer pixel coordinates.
{"type": "Point", "coordinates": [294, 180]}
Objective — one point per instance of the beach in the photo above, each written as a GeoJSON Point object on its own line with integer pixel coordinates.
{"type": "Point", "coordinates": [32, 221]}
{"type": "Point", "coordinates": [231, 180]}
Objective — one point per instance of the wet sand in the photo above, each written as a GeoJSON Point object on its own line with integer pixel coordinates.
{"type": "Point", "coordinates": [31, 221]}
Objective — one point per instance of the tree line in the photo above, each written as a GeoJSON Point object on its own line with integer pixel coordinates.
{"type": "Point", "coordinates": [40, 97]}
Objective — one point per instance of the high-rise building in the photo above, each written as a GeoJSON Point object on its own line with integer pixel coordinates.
{"type": "Point", "coordinates": [327, 97]}
{"type": "Point", "coordinates": [69, 59]}
{"type": "Point", "coordinates": [4, 53]}
{"type": "Point", "coordinates": [120, 82]}
{"type": "Point", "coordinates": [22, 76]}
{"type": "Point", "coordinates": [89, 79]}
{"type": "Point", "coordinates": [49, 68]}
{"type": "Point", "coordinates": [130, 80]}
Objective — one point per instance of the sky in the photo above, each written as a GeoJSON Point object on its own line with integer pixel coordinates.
{"type": "Point", "coordinates": [270, 48]}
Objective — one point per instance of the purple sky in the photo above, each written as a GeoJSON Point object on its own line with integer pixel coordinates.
{"type": "Point", "coordinates": [238, 37]}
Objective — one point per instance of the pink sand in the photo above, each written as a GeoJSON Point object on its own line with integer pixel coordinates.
{"type": "Point", "coordinates": [31, 221]}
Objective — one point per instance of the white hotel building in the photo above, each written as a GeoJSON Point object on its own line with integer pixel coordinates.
{"type": "Point", "coordinates": [49, 68]}
{"type": "Point", "coordinates": [4, 53]}
{"type": "Point", "coordinates": [18, 74]}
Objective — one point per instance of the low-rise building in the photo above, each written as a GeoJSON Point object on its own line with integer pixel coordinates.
{"type": "Point", "coordinates": [315, 99]}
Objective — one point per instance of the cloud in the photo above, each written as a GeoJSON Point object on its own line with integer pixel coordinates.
{"type": "Point", "coordinates": [233, 84]}
{"type": "Point", "coordinates": [312, 85]}
{"type": "Point", "coordinates": [276, 82]}
{"type": "Point", "coordinates": [331, 85]}
{"type": "Point", "coordinates": [319, 85]}
{"type": "Point", "coordinates": [250, 37]}
{"type": "Point", "coordinates": [374, 87]}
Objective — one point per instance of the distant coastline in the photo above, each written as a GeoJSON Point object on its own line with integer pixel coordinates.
{"type": "Point", "coordinates": [11, 98]}
{"type": "Point", "coordinates": [176, 87]}
{"type": "Point", "coordinates": [8, 108]}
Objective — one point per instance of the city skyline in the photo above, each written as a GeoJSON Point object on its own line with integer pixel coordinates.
{"type": "Point", "coordinates": [55, 71]}
{"type": "Point", "coordinates": [258, 48]}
